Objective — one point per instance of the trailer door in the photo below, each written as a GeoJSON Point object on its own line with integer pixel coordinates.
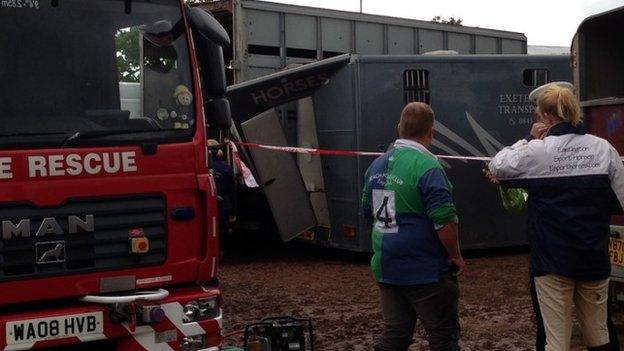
{"type": "Point", "coordinates": [279, 175]}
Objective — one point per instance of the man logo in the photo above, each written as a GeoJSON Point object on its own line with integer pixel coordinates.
{"type": "Point", "coordinates": [48, 226]}
{"type": "Point", "coordinates": [50, 252]}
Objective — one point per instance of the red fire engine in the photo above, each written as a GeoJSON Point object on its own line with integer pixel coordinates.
{"type": "Point", "coordinates": [108, 207]}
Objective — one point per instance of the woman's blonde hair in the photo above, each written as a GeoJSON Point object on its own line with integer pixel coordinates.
{"type": "Point", "coordinates": [560, 102]}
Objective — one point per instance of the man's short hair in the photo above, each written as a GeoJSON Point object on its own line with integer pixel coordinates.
{"type": "Point", "coordinates": [416, 120]}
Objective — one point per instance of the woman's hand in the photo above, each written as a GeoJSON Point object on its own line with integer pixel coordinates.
{"type": "Point", "coordinates": [539, 129]}
{"type": "Point", "coordinates": [490, 176]}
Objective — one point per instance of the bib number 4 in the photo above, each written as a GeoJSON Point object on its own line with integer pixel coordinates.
{"type": "Point", "coordinates": [385, 213]}
{"type": "Point", "coordinates": [382, 213]}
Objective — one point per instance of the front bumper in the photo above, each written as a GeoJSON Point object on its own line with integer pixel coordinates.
{"type": "Point", "coordinates": [125, 335]}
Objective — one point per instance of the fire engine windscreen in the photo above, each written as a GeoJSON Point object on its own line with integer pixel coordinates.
{"type": "Point", "coordinates": [118, 70]}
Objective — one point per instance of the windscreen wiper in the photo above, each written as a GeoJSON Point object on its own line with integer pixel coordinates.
{"type": "Point", "coordinates": [127, 5]}
{"type": "Point", "coordinates": [101, 133]}
{"type": "Point", "coordinates": [14, 134]}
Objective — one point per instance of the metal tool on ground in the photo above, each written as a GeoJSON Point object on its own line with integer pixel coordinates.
{"type": "Point", "coordinates": [279, 334]}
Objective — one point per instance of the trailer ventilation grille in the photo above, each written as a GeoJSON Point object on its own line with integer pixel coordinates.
{"type": "Point", "coordinates": [535, 77]}
{"type": "Point", "coordinates": [416, 86]}
{"type": "Point", "coordinates": [108, 246]}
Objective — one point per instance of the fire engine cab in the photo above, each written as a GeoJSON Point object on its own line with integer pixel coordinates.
{"type": "Point", "coordinates": [107, 203]}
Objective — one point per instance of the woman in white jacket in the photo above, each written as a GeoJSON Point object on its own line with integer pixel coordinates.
{"type": "Point", "coordinates": [575, 183]}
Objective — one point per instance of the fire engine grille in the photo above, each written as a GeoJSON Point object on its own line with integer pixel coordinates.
{"type": "Point", "coordinates": [108, 247]}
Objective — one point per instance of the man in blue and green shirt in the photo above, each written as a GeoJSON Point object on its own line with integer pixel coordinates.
{"type": "Point", "coordinates": [415, 237]}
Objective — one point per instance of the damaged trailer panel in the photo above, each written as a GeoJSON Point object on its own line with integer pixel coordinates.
{"type": "Point", "coordinates": [289, 197]}
{"type": "Point", "coordinates": [280, 177]}
{"type": "Point", "coordinates": [481, 104]}
{"type": "Point", "coordinates": [253, 97]}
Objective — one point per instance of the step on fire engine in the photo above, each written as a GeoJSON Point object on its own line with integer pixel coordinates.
{"type": "Point", "coordinates": [107, 207]}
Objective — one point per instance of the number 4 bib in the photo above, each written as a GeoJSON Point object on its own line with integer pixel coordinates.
{"type": "Point", "coordinates": [385, 213]}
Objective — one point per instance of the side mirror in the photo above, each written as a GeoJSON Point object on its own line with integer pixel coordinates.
{"type": "Point", "coordinates": [203, 22]}
{"type": "Point", "coordinates": [212, 66]}
{"type": "Point", "coordinates": [210, 38]}
{"type": "Point", "coordinates": [218, 114]}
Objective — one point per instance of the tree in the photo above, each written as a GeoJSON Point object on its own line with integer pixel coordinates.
{"type": "Point", "coordinates": [128, 58]}
{"type": "Point", "coordinates": [451, 20]}
{"type": "Point", "coordinates": [156, 58]}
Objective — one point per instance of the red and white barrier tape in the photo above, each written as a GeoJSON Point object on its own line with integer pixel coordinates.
{"type": "Point", "coordinates": [330, 152]}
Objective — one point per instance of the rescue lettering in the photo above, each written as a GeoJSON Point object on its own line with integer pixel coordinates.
{"type": "Point", "coordinates": [74, 164]}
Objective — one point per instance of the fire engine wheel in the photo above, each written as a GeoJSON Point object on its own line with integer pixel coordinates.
{"type": "Point", "coordinates": [136, 296]}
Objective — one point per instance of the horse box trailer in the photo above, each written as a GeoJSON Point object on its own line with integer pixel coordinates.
{"type": "Point", "coordinates": [270, 36]}
{"type": "Point", "coordinates": [598, 67]}
{"type": "Point", "coordinates": [481, 104]}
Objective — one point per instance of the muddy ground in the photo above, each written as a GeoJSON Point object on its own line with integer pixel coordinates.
{"type": "Point", "coordinates": [336, 289]}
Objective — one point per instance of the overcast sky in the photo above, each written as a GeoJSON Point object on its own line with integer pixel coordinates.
{"type": "Point", "coordinates": [544, 22]}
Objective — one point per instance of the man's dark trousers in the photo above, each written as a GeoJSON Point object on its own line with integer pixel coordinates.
{"type": "Point", "coordinates": [434, 304]}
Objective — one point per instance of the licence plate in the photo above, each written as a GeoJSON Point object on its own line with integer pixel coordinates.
{"type": "Point", "coordinates": [616, 251]}
{"type": "Point", "coordinates": [33, 330]}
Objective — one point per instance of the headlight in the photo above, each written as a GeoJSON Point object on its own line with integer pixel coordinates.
{"type": "Point", "coordinates": [192, 343]}
{"type": "Point", "coordinates": [201, 309]}
{"type": "Point", "coordinates": [191, 312]}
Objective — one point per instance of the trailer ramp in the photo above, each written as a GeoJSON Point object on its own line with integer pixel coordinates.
{"type": "Point", "coordinates": [295, 194]}
{"type": "Point", "coordinates": [279, 175]}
